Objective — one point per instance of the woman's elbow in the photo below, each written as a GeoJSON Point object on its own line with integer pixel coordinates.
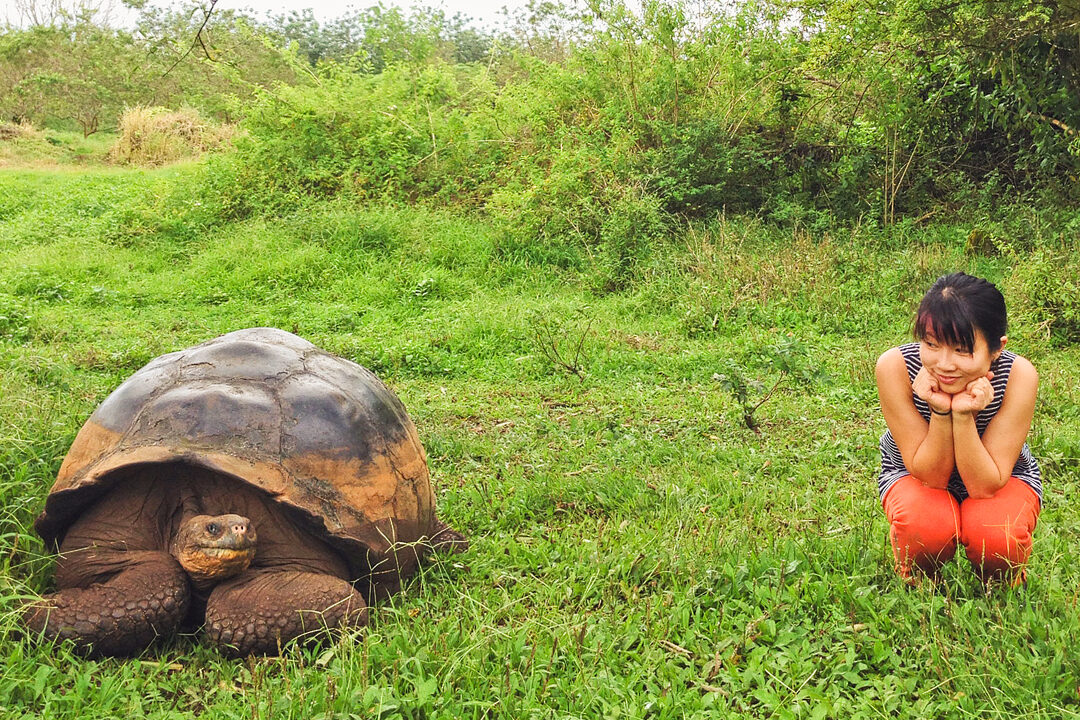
{"type": "Point", "coordinates": [932, 480]}
{"type": "Point", "coordinates": [931, 474]}
{"type": "Point", "coordinates": [985, 491]}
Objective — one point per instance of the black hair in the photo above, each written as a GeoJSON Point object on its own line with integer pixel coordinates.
{"type": "Point", "coordinates": [958, 304]}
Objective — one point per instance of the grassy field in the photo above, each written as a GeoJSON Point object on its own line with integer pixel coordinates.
{"type": "Point", "coordinates": [22, 146]}
{"type": "Point", "coordinates": [637, 549]}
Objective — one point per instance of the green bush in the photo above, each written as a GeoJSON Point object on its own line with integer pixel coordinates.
{"type": "Point", "coordinates": [398, 135]}
{"type": "Point", "coordinates": [1044, 291]}
{"type": "Point", "coordinates": [849, 117]}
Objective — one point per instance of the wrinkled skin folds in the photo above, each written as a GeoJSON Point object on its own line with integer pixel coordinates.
{"type": "Point", "coordinates": [147, 599]}
{"type": "Point", "coordinates": [120, 587]}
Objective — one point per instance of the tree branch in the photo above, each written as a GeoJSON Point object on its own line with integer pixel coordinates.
{"type": "Point", "coordinates": [198, 39]}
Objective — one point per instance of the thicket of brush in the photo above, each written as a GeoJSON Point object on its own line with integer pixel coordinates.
{"type": "Point", "coordinates": [601, 122]}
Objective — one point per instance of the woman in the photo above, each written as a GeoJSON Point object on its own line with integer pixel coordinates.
{"type": "Point", "coordinates": [955, 465]}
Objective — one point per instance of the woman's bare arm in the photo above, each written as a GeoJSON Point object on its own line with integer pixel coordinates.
{"type": "Point", "coordinates": [985, 464]}
{"type": "Point", "coordinates": [926, 448]}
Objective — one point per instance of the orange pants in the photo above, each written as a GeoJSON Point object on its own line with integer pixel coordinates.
{"type": "Point", "coordinates": [925, 524]}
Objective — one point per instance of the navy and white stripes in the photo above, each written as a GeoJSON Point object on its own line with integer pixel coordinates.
{"type": "Point", "coordinates": [892, 464]}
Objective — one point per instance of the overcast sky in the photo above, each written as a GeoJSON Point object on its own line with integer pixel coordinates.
{"type": "Point", "coordinates": [485, 12]}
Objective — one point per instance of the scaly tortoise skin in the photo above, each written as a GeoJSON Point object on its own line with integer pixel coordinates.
{"type": "Point", "coordinates": [274, 447]}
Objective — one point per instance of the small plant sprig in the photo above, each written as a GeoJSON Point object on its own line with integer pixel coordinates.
{"type": "Point", "coordinates": [788, 355]}
{"type": "Point", "coordinates": [562, 342]}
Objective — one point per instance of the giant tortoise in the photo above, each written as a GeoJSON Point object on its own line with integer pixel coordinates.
{"type": "Point", "coordinates": [253, 483]}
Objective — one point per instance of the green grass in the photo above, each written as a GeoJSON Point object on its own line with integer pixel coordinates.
{"type": "Point", "coordinates": [55, 148]}
{"type": "Point", "coordinates": [637, 550]}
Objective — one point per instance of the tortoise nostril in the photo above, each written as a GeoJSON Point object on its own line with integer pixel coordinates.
{"type": "Point", "coordinates": [239, 528]}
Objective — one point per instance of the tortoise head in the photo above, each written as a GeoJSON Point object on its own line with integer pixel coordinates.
{"type": "Point", "coordinates": [213, 548]}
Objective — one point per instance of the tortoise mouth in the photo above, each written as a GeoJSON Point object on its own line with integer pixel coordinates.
{"type": "Point", "coordinates": [228, 543]}
{"type": "Point", "coordinates": [212, 563]}
{"type": "Point", "coordinates": [225, 553]}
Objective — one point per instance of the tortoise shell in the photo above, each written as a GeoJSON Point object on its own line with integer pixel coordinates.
{"type": "Point", "coordinates": [318, 433]}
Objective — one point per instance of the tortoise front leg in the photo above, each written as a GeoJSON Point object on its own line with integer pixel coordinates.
{"type": "Point", "coordinates": [258, 611]}
{"type": "Point", "coordinates": [148, 597]}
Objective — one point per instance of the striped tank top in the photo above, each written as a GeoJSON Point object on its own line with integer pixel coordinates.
{"type": "Point", "coordinates": [892, 464]}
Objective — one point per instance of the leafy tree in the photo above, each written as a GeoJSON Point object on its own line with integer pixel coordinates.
{"type": "Point", "coordinates": [971, 88]}
{"type": "Point", "coordinates": [378, 36]}
{"type": "Point", "coordinates": [82, 73]}
{"type": "Point", "coordinates": [78, 74]}
{"type": "Point", "coordinates": [316, 42]}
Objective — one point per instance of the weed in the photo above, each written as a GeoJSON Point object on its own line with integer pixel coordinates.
{"type": "Point", "coordinates": [1045, 285]}
{"type": "Point", "coordinates": [562, 343]}
{"type": "Point", "coordinates": [788, 356]}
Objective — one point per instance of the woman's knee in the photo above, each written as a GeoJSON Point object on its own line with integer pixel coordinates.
{"type": "Point", "coordinates": [995, 550]}
{"type": "Point", "coordinates": [924, 522]}
{"type": "Point", "coordinates": [996, 531]}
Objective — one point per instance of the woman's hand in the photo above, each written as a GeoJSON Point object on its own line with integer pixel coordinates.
{"type": "Point", "coordinates": [926, 387]}
{"type": "Point", "coordinates": [975, 397]}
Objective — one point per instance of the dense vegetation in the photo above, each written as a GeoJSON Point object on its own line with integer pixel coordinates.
{"type": "Point", "coordinates": [629, 268]}
{"type": "Point", "coordinates": [807, 112]}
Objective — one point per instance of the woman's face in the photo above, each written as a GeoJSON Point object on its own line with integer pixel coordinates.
{"type": "Point", "coordinates": [952, 366]}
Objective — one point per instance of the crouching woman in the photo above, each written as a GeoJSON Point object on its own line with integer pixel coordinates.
{"type": "Point", "coordinates": [955, 465]}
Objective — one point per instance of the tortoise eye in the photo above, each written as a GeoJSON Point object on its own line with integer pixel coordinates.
{"type": "Point", "coordinates": [213, 528]}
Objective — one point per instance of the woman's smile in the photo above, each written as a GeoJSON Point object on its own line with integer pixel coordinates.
{"type": "Point", "coordinates": [946, 379]}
